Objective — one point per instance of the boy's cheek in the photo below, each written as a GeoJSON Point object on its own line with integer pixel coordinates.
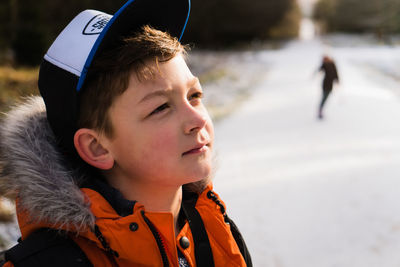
{"type": "Point", "coordinates": [162, 141]}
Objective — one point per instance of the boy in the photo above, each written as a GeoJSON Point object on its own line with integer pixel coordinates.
{"type": "Point", "coordinates": [119, 158]}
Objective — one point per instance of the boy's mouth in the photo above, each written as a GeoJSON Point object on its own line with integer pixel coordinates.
{"type": "Point", "coordinates": [201, 148]}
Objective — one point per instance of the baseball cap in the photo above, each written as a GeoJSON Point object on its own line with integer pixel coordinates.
{"type": "Point", "coordinates": [65, 66]}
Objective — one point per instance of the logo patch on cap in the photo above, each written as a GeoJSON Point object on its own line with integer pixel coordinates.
{"type": "Point", "coordinates": [96, 24]}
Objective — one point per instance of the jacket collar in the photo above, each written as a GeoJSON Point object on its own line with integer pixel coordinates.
{"type": "Point", "coordinates": [122, 206]}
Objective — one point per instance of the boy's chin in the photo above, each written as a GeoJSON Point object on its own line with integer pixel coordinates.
{"type": "Point", "coordinates": [198, 176]}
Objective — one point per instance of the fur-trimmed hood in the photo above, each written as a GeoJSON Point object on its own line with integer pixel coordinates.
{"type": "Point", "coordinates": [34, 171]}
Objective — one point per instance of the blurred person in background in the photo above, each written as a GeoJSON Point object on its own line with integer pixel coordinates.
{"type": "Point", "coordinates": [329, 68]}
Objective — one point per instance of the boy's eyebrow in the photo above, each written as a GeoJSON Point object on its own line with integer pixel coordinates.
{"type": "Point", "coordinates": [153, 94]}
{"type": "Point", "coordinates": [192, 82]}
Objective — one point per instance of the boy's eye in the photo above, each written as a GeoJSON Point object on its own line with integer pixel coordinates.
{"type": "Point", "coordinates": [197, 95]}
{"type": "Point", "coordinates": [159, 109]}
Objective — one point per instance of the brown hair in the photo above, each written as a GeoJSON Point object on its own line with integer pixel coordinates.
{"type": "Point", "coordinates": [109, 75]}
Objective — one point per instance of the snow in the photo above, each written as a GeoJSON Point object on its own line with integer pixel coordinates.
{"type": "Point", "coordinates": [310, 193]}
{"type": "Point", "coordinates": [307, 29]}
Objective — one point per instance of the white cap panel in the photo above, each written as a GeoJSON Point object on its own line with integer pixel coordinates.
{"type": "Point", "coordinates": [72, 47]}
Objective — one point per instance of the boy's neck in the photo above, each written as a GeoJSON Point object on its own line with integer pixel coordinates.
{"type": "Point", "coordinates": [153, 198]}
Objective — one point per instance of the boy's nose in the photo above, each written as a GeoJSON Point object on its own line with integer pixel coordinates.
{"type": "Point", "coordinates": [194, 120]}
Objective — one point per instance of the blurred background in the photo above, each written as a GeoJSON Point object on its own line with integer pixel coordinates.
{"type": "Point", "coordinates": [304, 191]}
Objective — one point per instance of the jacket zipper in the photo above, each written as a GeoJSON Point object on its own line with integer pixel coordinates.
{"type": "Point", "coordinates": [158, 239]}
{"type": "Point", "coordinates": [110, 253]}
{"type": "Point", "coordinates": [213, 197]}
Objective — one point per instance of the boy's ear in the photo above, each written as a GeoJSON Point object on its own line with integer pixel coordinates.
{"type": "Point", "coordinates": [87, 144]}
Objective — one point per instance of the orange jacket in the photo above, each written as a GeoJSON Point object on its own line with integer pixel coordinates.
{"type": "Point", "coordinates": [133, 242]}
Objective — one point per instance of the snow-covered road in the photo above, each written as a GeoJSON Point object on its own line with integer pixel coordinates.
{"type": "Point", "coordinates": [311, 193]}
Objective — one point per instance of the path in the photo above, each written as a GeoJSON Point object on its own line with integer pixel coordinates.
{"type": "Point", "coordinates": [315, 193]}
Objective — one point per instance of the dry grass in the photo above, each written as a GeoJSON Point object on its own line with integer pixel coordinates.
{"type": "Point", "coordinates": [15, 83]}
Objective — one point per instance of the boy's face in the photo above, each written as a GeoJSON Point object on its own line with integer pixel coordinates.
{"type": "Point", "coordinates": [163, 134]}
